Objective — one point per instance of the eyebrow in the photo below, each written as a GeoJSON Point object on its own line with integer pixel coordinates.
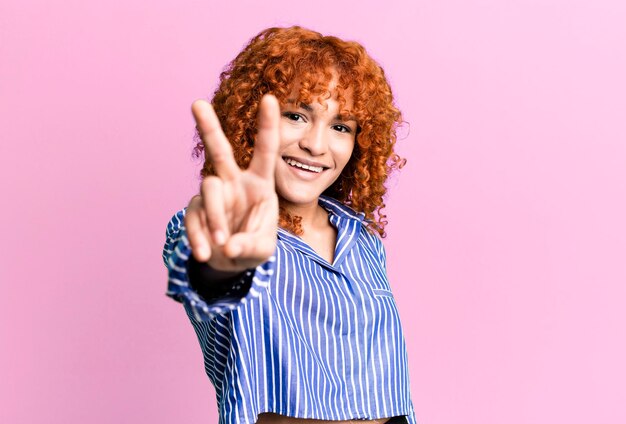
{"type": "Point", "coordinates": [308, 108]}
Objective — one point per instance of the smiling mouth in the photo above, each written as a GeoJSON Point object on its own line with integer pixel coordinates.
{"type": "Point", "coordinates": [300, 165]}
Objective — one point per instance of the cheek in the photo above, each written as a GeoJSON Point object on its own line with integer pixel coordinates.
{"type": "Point", "coordinates": [345, 152]}
{"type": "Point", "coordinates": [288, 135]}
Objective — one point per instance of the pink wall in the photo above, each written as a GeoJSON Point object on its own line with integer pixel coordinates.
{"type": "Point", "coordinates": [507, 239]}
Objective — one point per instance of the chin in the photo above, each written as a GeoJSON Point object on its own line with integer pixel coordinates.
{"type": "Point", "coordinates": [299, 199]}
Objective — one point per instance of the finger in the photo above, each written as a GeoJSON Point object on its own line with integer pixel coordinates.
{"type": "Point", "coordinates": [250, 247]}
{"type": "Point", "coordinates": [267, 139]}
{"type": "Point", "coordinates": [215, 142]}
{"type": "Point", "coordinates": [259, 242]}
{"type": "Point", "coordinates": [197, 233]}
{"type": "Point", "coordinates": [213, 203]}
{"type": "Point", "coordinates": [262, 216]}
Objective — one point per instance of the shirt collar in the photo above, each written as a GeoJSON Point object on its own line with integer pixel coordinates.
{"type": "Point", "coordinates": [335, 207]}
{"type": "Point", "coordinates": [348, 223]}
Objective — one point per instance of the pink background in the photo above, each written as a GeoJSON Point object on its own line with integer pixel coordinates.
{"type": "Point", "coordinates": [507, 239]}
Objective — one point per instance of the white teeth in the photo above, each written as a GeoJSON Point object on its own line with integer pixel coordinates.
{"type": "Point", "coordinates": [297, 164]}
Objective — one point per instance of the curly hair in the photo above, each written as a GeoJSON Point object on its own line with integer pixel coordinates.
{"type": "Point", "coordinates": [271, 63]}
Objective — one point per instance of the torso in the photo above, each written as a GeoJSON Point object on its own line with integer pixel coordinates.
{"type": "Point", "coordinates": [323, 241]}
{"type": "Point", "coordinates": [334, 287]}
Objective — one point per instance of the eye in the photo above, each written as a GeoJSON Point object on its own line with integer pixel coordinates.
{"type": "Point", "coordinates": [292, 116]}
{"type": "Point", "coordinates": [342, 128]}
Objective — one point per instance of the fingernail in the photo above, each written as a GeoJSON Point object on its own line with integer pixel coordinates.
{"type": "Point", "coordinates": [219, 237]}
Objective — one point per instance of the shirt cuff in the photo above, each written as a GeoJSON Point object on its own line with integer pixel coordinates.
{"type": "Point", "coordinates": [211, 284]}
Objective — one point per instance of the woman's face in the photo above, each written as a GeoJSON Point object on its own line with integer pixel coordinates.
{"type": "Point", "coordinates": [315, 146]}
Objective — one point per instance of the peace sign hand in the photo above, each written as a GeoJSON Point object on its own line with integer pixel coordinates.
{"type": "Point", "coordinates": [232, 224]}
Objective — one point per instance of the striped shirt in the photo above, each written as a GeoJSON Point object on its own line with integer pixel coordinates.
{"type": "Point", "coordinates": [310, 339]}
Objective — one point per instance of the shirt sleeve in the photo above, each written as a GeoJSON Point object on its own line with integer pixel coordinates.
{"type": "Point", "coordinates": [176, 253]}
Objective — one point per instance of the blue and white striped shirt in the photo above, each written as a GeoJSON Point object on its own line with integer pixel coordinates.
{"type": "Point", "coordinates": [310, 339]}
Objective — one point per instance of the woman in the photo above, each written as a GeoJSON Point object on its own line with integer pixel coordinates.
{"type": "Point", "coordinates": [296, 321]}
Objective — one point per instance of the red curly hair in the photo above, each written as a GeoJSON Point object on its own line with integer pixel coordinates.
{"type": "Point", "coordinates": [270, 63]}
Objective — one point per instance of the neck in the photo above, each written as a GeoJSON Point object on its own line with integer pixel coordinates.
{"type": "Point", "coordinates": [313, 215]}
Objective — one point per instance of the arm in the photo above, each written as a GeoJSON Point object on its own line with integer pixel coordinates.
{"type": "Point", "coordinates": [222, 246]}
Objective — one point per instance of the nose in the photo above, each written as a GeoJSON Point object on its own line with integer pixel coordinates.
{"type": "Point", "coordinates": [315, 140]}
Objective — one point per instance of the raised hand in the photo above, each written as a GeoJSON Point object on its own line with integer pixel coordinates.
{"type": "Point", "coordinates": [232, 224]}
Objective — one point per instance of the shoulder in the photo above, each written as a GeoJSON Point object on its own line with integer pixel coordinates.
{"type": "Point", "coordinates": [336, 207]}
{"type": "Point", "coordinates": [175, 235]}
{"type": "Point", "coordinates": [372, 241]}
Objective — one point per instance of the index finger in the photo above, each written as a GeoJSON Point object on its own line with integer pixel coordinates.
{"type": "Point", "coordinates": [215, 142]}
{"type": "Point", "coordinates": [268, 138]}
